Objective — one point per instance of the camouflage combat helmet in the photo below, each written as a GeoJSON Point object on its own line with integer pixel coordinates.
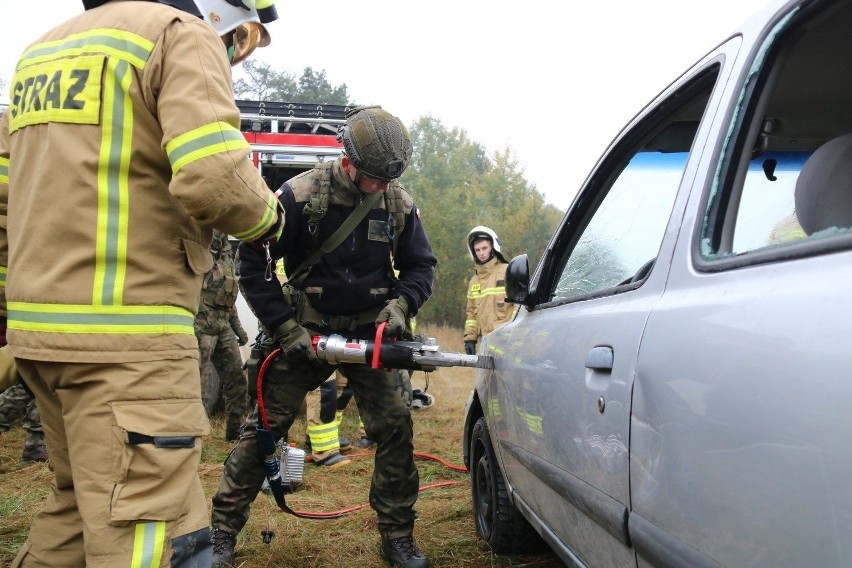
{"type": "Point", "coordinates": [376, 142]}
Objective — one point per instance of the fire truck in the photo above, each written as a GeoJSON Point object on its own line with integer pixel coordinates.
{"type": "Point", "coordinates": [286, 139]}
{"type": "Point", "coordinates": [289, 138]}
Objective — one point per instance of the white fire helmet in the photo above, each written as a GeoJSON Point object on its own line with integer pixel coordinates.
{"type": "Point", "coordinates": [240, 23]}
{"type": "Point", "coordinates": [482, 232]}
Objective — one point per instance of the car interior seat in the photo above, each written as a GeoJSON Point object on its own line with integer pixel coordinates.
{"type": "Point", "coordinates": [823, 191]}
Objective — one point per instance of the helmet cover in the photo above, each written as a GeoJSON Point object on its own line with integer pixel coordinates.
{"type": "Point", "coordinates": [376, 142]}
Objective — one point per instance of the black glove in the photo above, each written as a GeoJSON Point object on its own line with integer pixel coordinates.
{"type": "Point", "coordinates": [2, 331]}
{"type": "Point", "coordinates": [295, 342]}
{"type": "Point", "coordinates": [470, 347]}
{"type": "Point", "coordinates": [394, 313]}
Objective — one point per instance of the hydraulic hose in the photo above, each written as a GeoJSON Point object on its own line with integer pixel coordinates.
{"type": "Point", "coordinates": [266, 448]}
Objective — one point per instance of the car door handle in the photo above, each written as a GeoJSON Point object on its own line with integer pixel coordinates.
{"type": "Point", "coordinates": [600, 358]}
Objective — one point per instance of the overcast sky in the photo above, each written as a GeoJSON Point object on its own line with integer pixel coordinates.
{"type": "Point", "coordinates": [555, 81]}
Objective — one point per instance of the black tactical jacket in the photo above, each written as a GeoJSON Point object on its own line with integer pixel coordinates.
{"type": "Point", "coordinates": [355, 277]}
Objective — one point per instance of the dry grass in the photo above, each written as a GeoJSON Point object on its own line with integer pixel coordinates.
{"type": "Point", "coordinates": [444, 530]}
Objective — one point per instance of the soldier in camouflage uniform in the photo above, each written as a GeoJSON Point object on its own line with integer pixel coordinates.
{"type": "Point", "coordinates": [349, 291]}
{"type": "Point", "coordinates": [220, 335]}
{"type": "Point", "coordinates": [16, 404]}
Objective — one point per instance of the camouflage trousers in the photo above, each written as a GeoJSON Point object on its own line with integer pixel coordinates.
{"type": "Point", "coordinates": [387, 420]}
{"type": "Point", "coordinates": [16, 404]}
{"type": "Point", "coordinates": [221, 365]}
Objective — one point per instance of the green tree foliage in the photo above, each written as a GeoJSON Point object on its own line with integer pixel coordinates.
{"type": "Point", "coordinates": [262, 83]}
{"type": "Point", "coordinates": [457, 186]}
{"type": "Point", "coordinates": [314, 87]}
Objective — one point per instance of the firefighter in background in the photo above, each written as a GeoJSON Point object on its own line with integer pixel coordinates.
{"type": "Point", "coordinates": [130, 105]}
{"type": "Point", "coordinates": [16, 404]}
{"type": "Point", "coordinates": [324, 413]}
{"type": "Point", "coordinates": [348, 291]}
{"type": "Point", "coordinates": [220, 335]}
{"type": "Point", "coordinates": [487, 308]}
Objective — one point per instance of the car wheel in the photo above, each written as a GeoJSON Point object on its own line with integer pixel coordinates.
{"type": "Point", "coordinates": [498, 522]}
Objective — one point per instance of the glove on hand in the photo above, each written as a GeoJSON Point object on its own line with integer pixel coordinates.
{"type": "Point", "coordinates": [470, 347]}
{"type": "Point", "coordinates": [295, 341]}
{"type": "Point", "coordinates": [394, 313]}
{"type": "Point", "coordinates": [2, 331]}
{"type": "Point", "coordinates": [242, 336]}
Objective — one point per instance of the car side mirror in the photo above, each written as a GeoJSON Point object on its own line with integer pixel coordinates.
{"type": "Point", "coordinates": [518, 279]}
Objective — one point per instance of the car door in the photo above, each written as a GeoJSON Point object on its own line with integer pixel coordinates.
{"type": "Point", "coordinates": [740, 442]}
{"type": "Point", "coordinates": [561, 390]}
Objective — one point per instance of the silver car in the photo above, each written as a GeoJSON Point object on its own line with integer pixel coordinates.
{"type": "Point", "coordinates": [676, 388]}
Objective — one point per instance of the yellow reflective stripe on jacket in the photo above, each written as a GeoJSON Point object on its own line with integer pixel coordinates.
{"type": "Point", "coordinates": [118, 44]}
{"type": "Point", "coordinates": [73, 318]}
{"type": "Point", "coordinates": [3, 271]}
{"type": "Point", "coordinates": [4, 170]}
{"type": "Point", "coordinates": [265, 224]}
{"type": "Point", "coordinates": [113, 186]}
{"type": "Point", "coordinates": [482, 293]}
{"type": "Point", "coordinates": [148, 543]}
{"type": "Point", "coordinates": [470, 323]}
{"type": "Point", "coordinates": [202, 142]}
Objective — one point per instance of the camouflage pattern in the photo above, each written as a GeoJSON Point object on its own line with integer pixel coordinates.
{"type": "Point", "coordinates": [387, 420]}
{"type": "Point", "coordinates": [16, 404]}
{"type": "Point", "coordinates": [221, 365]}
{"type": "Point", "coordinates": [217, 328]}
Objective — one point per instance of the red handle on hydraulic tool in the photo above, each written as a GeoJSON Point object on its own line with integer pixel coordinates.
{"type": "Point", "coordinates": [377, 344]}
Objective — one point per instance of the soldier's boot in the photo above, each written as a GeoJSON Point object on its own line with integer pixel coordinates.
{"type": "Point", "coordinates": [403, 553]}
{"type": "Point", "coordinates": [34, 454]}
{"type": "Point", "coordinates": [232, 431]}
{"type": "Point", "coordinates": [223, 548]}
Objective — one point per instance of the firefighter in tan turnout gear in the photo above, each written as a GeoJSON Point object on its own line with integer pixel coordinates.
{"type": "Point", "coordinates": [487, 308]}
{"type": "Point", "coordinates": [119, 153]}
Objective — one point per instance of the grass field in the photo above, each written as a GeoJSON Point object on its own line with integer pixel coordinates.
{"type": "Point", "coordinates": [444, 530]}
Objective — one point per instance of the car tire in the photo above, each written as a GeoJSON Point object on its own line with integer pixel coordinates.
{"type": "Point", "coordinates": [498, 522]}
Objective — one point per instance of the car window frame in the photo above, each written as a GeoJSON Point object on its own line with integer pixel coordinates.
{"type": "Point", "coordinates": [709, 72]}
{"type": "Point", "coordinates": [720, 199]}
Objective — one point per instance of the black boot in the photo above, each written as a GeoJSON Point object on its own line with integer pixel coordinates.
{"type": "Point", "coordinates": [34, 454]}
{"type": "Point", "coordinates": [223, 548]}
{"type": "Point", "coordinates": [403, 553]}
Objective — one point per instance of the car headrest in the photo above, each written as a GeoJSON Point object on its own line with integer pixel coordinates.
{"type": "Point", "coordinates": [824, 188]}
